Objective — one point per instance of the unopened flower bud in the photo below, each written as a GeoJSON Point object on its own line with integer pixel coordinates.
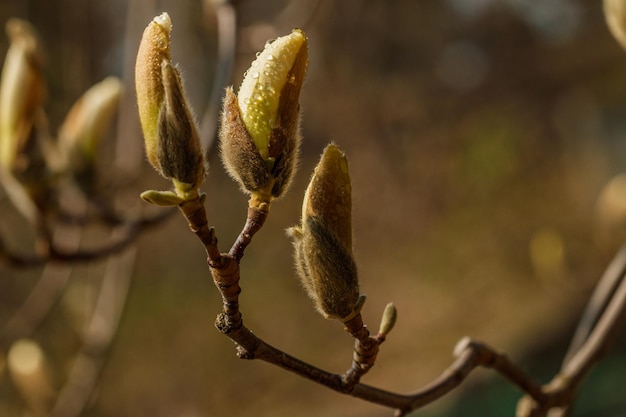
{"type": "Point", "coordinates": [170, 132]}
{"type": "Point", "coordinates": [22, 89]}
{"type": "Point", "coordinates": [153, 50]}
{"type": "Point", "coordinates": [259, 133]}
{"type": "Point", "coordinates": [323, 241]}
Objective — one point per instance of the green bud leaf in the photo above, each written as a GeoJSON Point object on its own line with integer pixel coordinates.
{"type": "Point", "coordinates": [162, 198]}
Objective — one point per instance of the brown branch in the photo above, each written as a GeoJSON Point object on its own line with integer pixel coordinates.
{"type": "Point", "coordinates": [254, 222]}
{"type": "Point", "coordinates": [608, 303]}
{"type": "Point", "coordinates": [97, 337]}
{"type": "Point", "coordinates": [45, 293]}
{"type": "Point", "coordinates": [365, 350]}
{"type": "Point", "coordinates": [226, 275]}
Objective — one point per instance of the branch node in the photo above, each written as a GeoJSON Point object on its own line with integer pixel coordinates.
{"type": "Point", "coordinates": [243, 353]}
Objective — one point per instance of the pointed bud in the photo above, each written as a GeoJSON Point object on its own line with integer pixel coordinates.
{"type": "Point", "coordinates": [170, 132]}
{"type": "Point", "coordinates": [153, 50]}
{"type": "Point", "coordinates": [260, 134]}
{"type": "Point", "coordinates": [22, 89]}
{"type": "Point", "coordinates": [323, 242]}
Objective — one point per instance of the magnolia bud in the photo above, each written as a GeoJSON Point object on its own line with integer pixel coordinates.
{"type": "Point", "coordinates": [259, 132]}
{"type": "Point", "coordinates": [153, 50]}
{"type": "Point", "coordinates": [170, 132]}
{"type": "Point", "coordinates": [323, 241]}
{"type": "Point", "coordinates": [22, 90]}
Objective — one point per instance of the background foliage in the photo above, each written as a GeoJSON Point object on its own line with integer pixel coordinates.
{"type": "Point", "coordinates": [480, 136]}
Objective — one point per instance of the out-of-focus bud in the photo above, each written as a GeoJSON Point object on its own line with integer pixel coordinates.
{"type": "Point", "coordinates": [170, 132]}
{"type": "Point", "coordinates": [85, 124]}
{"type": "Point", "coordinates": [615, 14]}
{"type": "Point", "coordinates": [29, 371]}
{"type": "Point", "coordinates": [259, 132]}
{"type": "Point", "coordinates": [22, 90]}
{"type": "Point", "coordinates": [323, 241]}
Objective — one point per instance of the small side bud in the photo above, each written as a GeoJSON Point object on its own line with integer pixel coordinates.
{"type": "Point", "coordinates": [323, 241]}
{"type": "Point", "coordinates": [170, 132]}
{"type": "Point", "coordinates": [388, 320]}
{"type": "Point", "coordinates": [260, 134]}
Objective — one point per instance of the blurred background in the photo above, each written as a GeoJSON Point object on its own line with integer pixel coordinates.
{"type": "Point", "coordinates": [486, 140]}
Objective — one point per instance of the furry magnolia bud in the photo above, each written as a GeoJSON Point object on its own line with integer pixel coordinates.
{"type": "Point", "coordinates": [259, 133]}
{"type": "Point", "coordinates": [323, 241]}
{"type": "Point", "coordinates": [170, 132]}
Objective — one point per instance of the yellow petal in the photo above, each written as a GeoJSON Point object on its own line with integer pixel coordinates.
{"type": "Point", "coordinates": [260, 91]}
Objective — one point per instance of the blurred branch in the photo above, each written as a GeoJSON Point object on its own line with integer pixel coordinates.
{"type": "Point", "coordinates": [98, 335]}
{"type": "Point", "coordinates": [609, 302]}
{"type": "Point", "coordinates": [60, 255]}
{"type": "Point", "coordinates": [301, 11]}
{"type": "Point", "coordinates": [45, 293]}
{"type": "Point", "coordinates": [600, 299]}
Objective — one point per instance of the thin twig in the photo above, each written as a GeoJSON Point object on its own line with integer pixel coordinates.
{"type": "Point", "coordinates": [565, 385]}
{"type": "Point", "coordinates": [64, 255]}
{"type": "Point", "coordinates": [254, 222]}
{"type": "Point", "coordinates": [98, 335]}
{"type": "Point", "coordinates": [226, 275]}
{"type": "Point", "coordinates": [602, 294]}
{"type": "Point", "coordinates": [45, 293]}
